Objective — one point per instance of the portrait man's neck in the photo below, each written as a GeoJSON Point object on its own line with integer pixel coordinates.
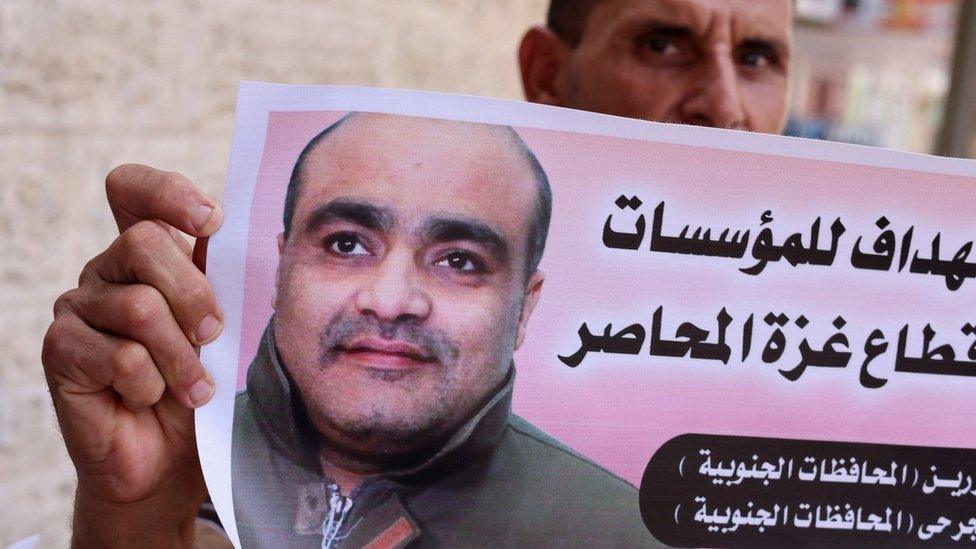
{"type": "Point", "coordinates": [347, 481]}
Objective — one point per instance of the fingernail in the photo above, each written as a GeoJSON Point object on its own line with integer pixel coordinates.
{"type": "Point", "coordinates": [201, 215]}
{"type": "Point", "coordinates": [207, 328]}
{"type": "Point", "coordinates": [200, 393]}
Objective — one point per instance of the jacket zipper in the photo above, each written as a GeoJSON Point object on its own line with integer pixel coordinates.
{"type": "Point", "coordinates": [339, 508]}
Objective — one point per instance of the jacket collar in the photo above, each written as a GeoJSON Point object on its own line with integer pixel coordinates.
{"type": "Point", "coordinates": [281, 415]}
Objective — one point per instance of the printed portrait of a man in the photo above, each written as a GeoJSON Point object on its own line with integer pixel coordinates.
{"type": "Point", "coordinates": [377, 410]}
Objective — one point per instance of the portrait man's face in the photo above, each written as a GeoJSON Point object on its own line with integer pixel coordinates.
{"type": "Point", "coordinates": [402, 285]}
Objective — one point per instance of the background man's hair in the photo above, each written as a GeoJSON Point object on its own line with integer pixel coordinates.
{"type": "Point", "coordinates": [542, 214]}
{"type": "Point", "coordinates": [567, 18]}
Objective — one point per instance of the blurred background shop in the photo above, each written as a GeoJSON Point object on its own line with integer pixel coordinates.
{"type": "Point", "coordinates": [888, 73]}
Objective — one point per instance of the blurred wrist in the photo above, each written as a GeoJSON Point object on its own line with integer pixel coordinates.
{"type": "Point", "coordinates": [164, 520]}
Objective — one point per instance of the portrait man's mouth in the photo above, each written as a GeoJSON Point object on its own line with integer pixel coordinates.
{"type": "Point", "coordinates": [385, 354]}
{"type": "Point", "coordinates": [384, 347]}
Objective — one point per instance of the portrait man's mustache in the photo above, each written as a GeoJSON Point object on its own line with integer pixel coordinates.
{"type": "Point", "coordinates": [408, 338]}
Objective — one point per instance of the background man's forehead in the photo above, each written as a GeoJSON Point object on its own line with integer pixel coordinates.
{"type": "Point", "coordinates": [699, 12]}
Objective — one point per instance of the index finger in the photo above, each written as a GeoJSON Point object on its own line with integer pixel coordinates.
{"type": "Point", "coordinates": [139, 193]}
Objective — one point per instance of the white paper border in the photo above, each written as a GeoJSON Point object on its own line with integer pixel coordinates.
{"type": "Point", "coordinates": [214, 425]}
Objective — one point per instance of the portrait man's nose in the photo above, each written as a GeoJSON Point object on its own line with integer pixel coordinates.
{"type": "Point", "coordinates": [394, 289]}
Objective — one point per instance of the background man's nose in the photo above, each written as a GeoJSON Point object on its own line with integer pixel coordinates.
{"type": "Point", "coordinates": [394, 292]}
{"type": "Point", "coordinates": [716, 101]}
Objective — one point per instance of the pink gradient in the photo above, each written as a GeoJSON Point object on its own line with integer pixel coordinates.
{"type": "Point", "coordinates": [288, 133]}
{"type": "Point", "coordinates": [619, 409]}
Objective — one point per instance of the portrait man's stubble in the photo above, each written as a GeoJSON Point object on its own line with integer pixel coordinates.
{"type": "Point", "coordinates": [408, 270]}
{"type": "Point", "coordinates": [400, 290]}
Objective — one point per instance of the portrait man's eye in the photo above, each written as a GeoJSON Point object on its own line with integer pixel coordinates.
{"type": "Point", "coordinates": [461, 262]}
{"type": "Point", "coordinates": [346, 244]}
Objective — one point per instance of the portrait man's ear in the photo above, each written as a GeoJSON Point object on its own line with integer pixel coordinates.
{"type": "Point", "coordinates": [533, 289]}
{"type": "Point", "coordinates": [281, 251]}
{"type": "Point", "coordinates": [543, 57]}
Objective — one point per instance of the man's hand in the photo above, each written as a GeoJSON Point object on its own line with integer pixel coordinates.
{"type": "Point", "coordinates": [121, 363]}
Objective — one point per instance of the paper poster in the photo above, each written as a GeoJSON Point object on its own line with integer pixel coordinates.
{"type": "Point", "coordinates": [464, 321]}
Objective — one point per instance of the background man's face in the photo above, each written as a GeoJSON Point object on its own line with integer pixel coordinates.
{"type": "Point", "coordinates": [401, 284]}
{"type": "Point", "coordinates": [722, 63]}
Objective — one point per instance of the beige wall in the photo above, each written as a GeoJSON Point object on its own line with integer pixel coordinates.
{"type": "Point", "coordinates": [88, 84]}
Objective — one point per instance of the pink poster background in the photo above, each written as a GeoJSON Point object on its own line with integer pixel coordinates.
{"type": "Point", "coordinates": [619, 409]}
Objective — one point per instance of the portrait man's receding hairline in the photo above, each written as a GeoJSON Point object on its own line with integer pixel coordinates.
{"type": "Point", "coordinates": [542, 213]}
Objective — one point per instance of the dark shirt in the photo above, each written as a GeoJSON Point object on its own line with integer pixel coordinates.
{"type": "Point", "coordinates": [498, 481]}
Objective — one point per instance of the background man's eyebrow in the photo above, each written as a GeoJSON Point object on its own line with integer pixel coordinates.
{"type": "Point", "coordinates": [763, 43]}
{"type": "Point", "coordinates": [446, 229]}
{"type": "Point", "coordinates": [663, 28]}
{"type": "Point", "coordinates": [367, 215]}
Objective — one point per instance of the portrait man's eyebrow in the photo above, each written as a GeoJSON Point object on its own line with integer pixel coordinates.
{"type": "Point", "coordinates": [380, 396]}
{"type": "Point", "coordinates": [447, 229]}
{"type": "Point", "coordinates": [367, 215]}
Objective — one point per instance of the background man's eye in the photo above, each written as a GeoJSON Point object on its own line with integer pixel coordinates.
{"type": "Point", "coordinates": [346, 244]}
{"type": "Point", "coordinates": [755, 59]}
{"type": "Point", "coordinates": [661, 46]}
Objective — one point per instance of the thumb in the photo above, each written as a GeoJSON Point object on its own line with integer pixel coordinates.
{"type": "Point", "coordinates": [200, 253]}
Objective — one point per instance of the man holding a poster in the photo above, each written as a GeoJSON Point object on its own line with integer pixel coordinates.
{"type": "Point", "coordinates": [119, 356]}
{"type": "Point", "coordinates": [378, 405]}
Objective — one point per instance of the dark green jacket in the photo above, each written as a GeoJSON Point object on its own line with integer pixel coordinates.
{"type": "Point", "coordinates": [498, 482]}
